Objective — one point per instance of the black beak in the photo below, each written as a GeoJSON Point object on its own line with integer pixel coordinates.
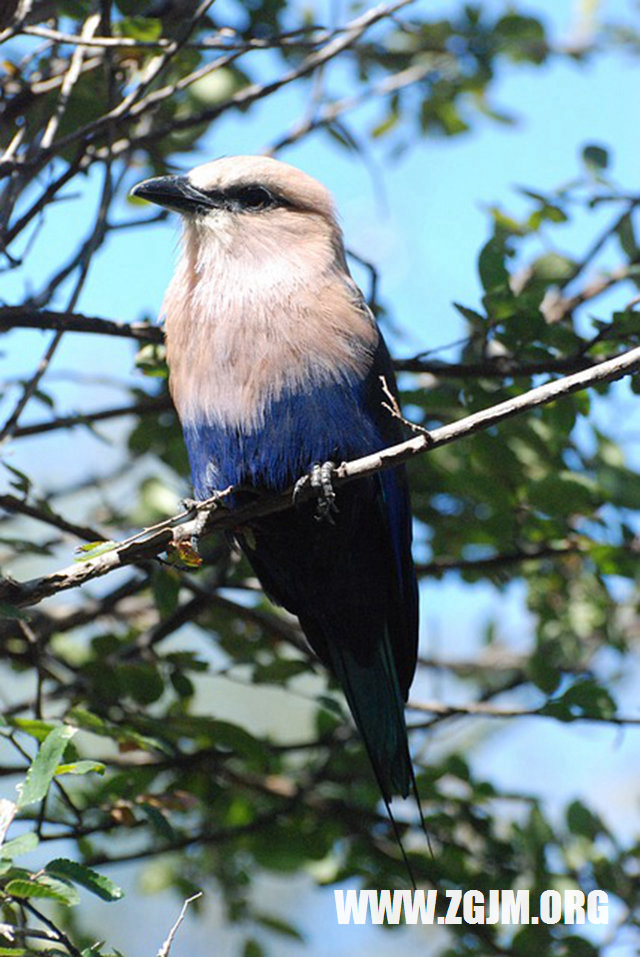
{"type": "Point", "coordinates": [176, 193]}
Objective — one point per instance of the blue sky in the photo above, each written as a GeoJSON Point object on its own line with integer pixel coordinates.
{"type": "Point", "coordinates": [424, 235]}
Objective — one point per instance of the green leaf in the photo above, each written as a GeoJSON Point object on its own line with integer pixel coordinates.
{"type": "Point", "coordinates": [521, 38]}
{"type": "Point", "coordinates": [279, 925]}
{"type": "Point", "coordinates": [41, 772]}
{"type": "Point", "coordinates": [581, 820]}
{"type": "Point", "coordinates": [239, 741]}
{"type": "Point", "coordinates": [182, 685]}
{"type": "Point", "coordinates": [165, 583]}
{"type": "Point", "coordinates": [544, 672]}
{"type": "Point", "coordinates": [595, 158]}
{"type": "Point", "coordinates": [627, 237]}
{"type": "Point", "coordinates": [23, 483]}
{"type": "Point", "coordinates": [94, 550]}
{"type": "Point", "coordinates": [81, 767]}
{"type": "Point", "coordinates": [552, 267]}
{"type": "Point", "coordinates": [159, 821]}
{"type": "Point", "coordinates": [386, 125]}
{"type": "Point", "coordinates": [475, 319]}
{"type": "Point", "coordinates": [10, 611]}
{"type": "Point", "coordinates": [216, 87]}
{"type": "Point", "coordinates": [587, 698]}
{"type": "Point", "coordinates": [563, 492]}
{"type": "Point", "coordinates": [579, 947]}
{"type": "Point", "coordinates": [146, 29]}
{"type": "Point", "coordinates": [44, 887]}
{"type": "Point", "coordinates": [37, 728]}
{"type": "Point", "coordinates": [98, 884]}
{"type": "Point", "coordinates": [279, 671]}
{"type": "Point", "coordinates": [19, 845]}
{"type": "Point", "coordinates": [491, 266]}
{"type": "Point", "coordinates": [151, 360]}
{"type": "Point", "coordinates": [142, 682]}
{"type": "Point", "coordinates": [619, 486]}
{"type": "Point", "coordinates": [252, 949]}
{"type": "Point", "coordinates": [91, 722]}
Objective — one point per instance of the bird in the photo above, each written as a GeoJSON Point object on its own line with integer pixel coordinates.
{"type": "Point", "coordinates": [278, 370]}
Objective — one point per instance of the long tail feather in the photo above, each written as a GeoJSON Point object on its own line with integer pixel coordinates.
{"type": "Point", "coordinates": [373, 694]}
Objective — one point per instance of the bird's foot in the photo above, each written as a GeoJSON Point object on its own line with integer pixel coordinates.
{"type": "Point", "coordinates": [320, 480]}
{"type": "Point", "coordinates": [200, 509]}
{"type": "Point", "coordinates": [199, 519]}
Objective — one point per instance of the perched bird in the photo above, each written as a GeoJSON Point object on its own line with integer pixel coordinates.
{"type": "Point", "coordinates": [276, 367]}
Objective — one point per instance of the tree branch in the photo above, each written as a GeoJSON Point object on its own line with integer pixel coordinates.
{"type": "Point", "coordinates": [476, 708]}
{"type": "Point", "coordinates": [498, 562]}
{"type": "Point", "coordinates": [166, 947]}
{"type": "Point", "coordinates": [161, 403]}
{"type": "Point", "coordinates": [23, 317]}
{"type": "Point", "coordinates": [503, 366]}
{"type": "Point", "coordinates": [153, 541]}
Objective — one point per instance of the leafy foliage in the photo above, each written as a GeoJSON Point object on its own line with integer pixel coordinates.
{"type": "Point", "coordinates": [114, 728]}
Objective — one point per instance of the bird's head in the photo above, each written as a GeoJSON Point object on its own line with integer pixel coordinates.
{"type": "Point", "coordinates": [238, 196]}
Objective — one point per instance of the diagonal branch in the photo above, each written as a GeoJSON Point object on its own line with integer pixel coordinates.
{"type": "Point", "coordinates": [153, 541]}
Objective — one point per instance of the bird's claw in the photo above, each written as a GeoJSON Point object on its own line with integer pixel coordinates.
{"type": "Point", "coordinates": [199, 518]}
{"type": "Point", "coordinates": [201, 511]}
{"type": "Point", "coordinates": [319, 479]}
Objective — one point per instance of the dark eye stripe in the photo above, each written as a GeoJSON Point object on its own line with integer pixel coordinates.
{"type": "Point", "coordinates": [250, 197]}
{"type": "Point", "coordinates": [254, 197]}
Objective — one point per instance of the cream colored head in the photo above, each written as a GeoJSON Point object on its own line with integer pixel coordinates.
{"type": "Point", "coordinates": [289, 187]}
{"type": "Point", "coordinates": [242, 192]}
{"type": "Point", "coordinates": [261, 299]}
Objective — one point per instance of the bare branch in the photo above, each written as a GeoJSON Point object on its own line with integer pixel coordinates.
{"type": "Point", "coordinates": [57, 934]}
{"type": "Point", "coordinates": [24, 317]}
{"type": "Point", "coordinates": [303, 37]}
{"type": "Point", "coordinates": [475, 708]}
{"type": "Point", "coordinates": [10, 426]}
{"type": "Point", "coordinates": [146, 406]}
{"type": "Point", "coordinates": [16, 505]}
{"type": "Point", "coordinates": [72, 75]}
{"type": "Point", "coordinates": [331, 111]}
{"type": "Point", "coordinates": [166, 947]}
{"type": "Point", "coordinates": [497, 562]}
{"type": "Point", "coordinates": [502, 366]}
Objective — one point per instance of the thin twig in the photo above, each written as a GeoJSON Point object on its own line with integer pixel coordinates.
{"type": "Point", "coordinates": [24, 317]}
{"type": "Point", "coordinates": [11, 424]}
{"type": "Point", "coordinates": [393, 407]}
{"type": "Point", "coordinates": [475, 708]}
{"type": "Point", "coordinates": [147, 406]}
{"type": "Point", "coordinates": [166, 947]}
{"type": "Point", "coordinates": [72, 75]}
{"type": "Point", "coordinates": [330, 112]}
{"type": "Point", "coordinates": [58, 934]}
{"type": "Point", "coordinates": [502, 560]}
{"type": "Point", "coordinates": [291, 39]}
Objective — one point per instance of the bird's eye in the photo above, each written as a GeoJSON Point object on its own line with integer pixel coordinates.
{"type": "Point", "coordinates": [254, 197]}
